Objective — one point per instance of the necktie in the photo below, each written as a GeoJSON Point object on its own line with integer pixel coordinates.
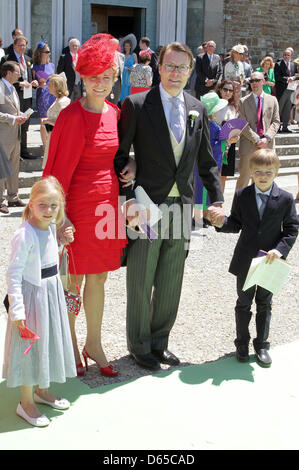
{"type": "Point", "coordinates": [259, 127]}
{"type": "Point", "coordinates": [22, 62]}
{"type": "Point", "coordinates": [175, 121]}
{"type": "Point", "coordinates": [263, 198]}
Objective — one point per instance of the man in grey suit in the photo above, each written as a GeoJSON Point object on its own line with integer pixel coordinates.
{"type": "Point", "coordinates": [261, 111]}
{"type": "Point", "coordinates": [10, 132]}
{"type": "Point", "coordinates": [169, 130]}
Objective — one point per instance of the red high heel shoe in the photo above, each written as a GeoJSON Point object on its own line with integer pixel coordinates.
{"type": "Point", "coordinates": [107, 371]}
{"type": "Point", "coordinates": [81, 372]}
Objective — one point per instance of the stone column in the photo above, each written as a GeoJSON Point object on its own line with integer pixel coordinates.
{"type": "Point", "coordinates": [7, 20]}
{"type": "Point", "coordinates": [72, 20]}
{"type": "Point", "coordinates": [24, 18]}
{"type": "Point", "coordinates": [171, 21]}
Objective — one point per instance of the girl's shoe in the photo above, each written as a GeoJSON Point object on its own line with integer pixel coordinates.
{"type": "Point", "coordinates": [59, 404]}
{"type": "Point", "coordinates": [80, 369]}
{"type": "Point", "coordinates": [108, 371]}
{"type": "Point", "coordinates": [39, 422]}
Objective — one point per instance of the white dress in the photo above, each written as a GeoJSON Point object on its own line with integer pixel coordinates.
{"type": "Point", "coordinates": [51, 358]}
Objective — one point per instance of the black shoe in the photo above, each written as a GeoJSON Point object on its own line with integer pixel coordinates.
{"type": "Point", "coordinates": [29, 157]}
{"type": "Point", "coordinates": [166, 357]}
{"type": "Point", "coordinates": [148, 361]}
{"type": "Point", "coordinates": [4, 209]}
{"type": "Point", "coordinates": [286, 131]}
{"type": "Point", "coordinates": [17, 203]}
{"type": "Point", "coordinates": [242, 353]}
{"type": "Point", "coordinates": [263, 358]}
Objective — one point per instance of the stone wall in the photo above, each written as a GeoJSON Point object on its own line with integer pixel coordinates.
{"type": "Point", "coordinates": [264, 25]}
{"type": "Point", "coordinates": [41, 21]}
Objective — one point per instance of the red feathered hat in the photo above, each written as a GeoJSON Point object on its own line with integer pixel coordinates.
{"type": "Point", "coordinates": [96, 55]}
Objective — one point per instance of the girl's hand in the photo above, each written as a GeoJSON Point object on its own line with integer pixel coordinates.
{"type": "Point", "coordinates": [64, 229]}
{"type": "Point", "coordinates": [67, 236]}
{"type": "Point", "coordinates": [20, 323]}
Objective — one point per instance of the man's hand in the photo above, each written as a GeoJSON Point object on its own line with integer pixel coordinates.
{"type": "Point", "coordinates": [24, 84]}
{"type": "Point", "coordinates": [128, 173]}
{"type": "Point", "coordinates": [262, 143]}
{"type": "Point", "coordinates": [20, 120]}
{"type": "Point", "coordinates": [136, 214]}
{"type": "Point", "coordinates": [215, 215]}
{"type": "Point", "coordinates": [209, 82]}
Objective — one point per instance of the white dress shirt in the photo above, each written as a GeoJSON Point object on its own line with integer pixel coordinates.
{"type": "Point", "coordinates": [167, 104]}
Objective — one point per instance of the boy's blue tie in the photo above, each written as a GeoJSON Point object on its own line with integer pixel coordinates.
{"type": "Point", "coordinates": [264, 198]}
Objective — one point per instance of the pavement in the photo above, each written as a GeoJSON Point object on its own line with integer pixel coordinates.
{"type": "Point", "coordinates": [216, 405]}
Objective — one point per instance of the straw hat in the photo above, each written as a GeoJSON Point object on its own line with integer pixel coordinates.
{"type": "Point", "coordinates": [239, 48]}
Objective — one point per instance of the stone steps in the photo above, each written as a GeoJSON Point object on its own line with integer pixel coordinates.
{"type": "Point", "coordinates": [287, 147]}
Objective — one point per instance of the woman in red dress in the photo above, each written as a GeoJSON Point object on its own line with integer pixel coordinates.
{"type": "Point", "coordinates": [81, 156]}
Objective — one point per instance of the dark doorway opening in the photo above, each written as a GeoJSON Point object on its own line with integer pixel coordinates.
{"type": "Point", "coordinates": [118, 21]}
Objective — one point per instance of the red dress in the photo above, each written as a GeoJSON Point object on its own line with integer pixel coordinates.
{"type": "Point", "coordinates": [85, 168]}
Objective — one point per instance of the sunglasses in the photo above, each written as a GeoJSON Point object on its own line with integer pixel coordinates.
{"type": "Point", "coordinates": [255, 80]}
{"type": "Point", "coordinates": [46, 52]}
{"type": "Point", "coordinates": [229, 90]}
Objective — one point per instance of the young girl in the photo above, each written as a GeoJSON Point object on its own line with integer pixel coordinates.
{"type": "Point", "coordinates": [36, 300]}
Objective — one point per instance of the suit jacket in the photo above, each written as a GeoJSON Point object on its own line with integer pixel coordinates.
{"type": "Point", "coordinates": [278, 228]}
{"type": "Point", "coordinates": [143, 124]}
{"type": "Point", "coordinates": [65, 64]}
{"type": "Point", "coordinates": [205, 69]}
{"type": "Point", "coordinates": [281, 73]}
{"type": "Point", "coordinates": [271, 122]}
{"type": "Point", "coordinates": [9, 108]}
{"type": "Point", "coordinates": [24, 104]}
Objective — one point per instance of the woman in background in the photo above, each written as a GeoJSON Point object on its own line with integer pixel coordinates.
{"type": "Point", "coordinates": [130, 60]}
{"type": "Point", "coordinates": [42, 70]}
{"type": "Point", "coordinates": [141, 76]}
{"type": "Point", "coordinates": [57, 87]}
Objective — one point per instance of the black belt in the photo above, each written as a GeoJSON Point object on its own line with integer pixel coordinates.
{"type": "Point", "coordinates": [49, 272]}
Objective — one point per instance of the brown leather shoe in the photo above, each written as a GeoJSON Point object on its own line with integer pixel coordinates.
{"type": "Point", "coordinates": [17, 203]}
{"type": "Point", "coordinates": [4, 209]}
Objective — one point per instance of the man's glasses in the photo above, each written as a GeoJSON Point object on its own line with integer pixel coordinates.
{"type": "Point", "coordinates": [228, 90]}
{"type": "Point", "coordinates": [255, 80]}
{"type": "Point", "coordinates": [184, 69]}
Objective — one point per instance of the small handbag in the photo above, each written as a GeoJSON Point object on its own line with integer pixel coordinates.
{"type": "Point", "coordinates": [73, 301]}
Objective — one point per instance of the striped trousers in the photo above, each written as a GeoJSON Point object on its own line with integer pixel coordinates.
{"type": "Point", "coordinates": [154, 281]}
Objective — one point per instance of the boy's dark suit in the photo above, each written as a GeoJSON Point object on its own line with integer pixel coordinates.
{"type": "Point", "coordinates": [278, 230]}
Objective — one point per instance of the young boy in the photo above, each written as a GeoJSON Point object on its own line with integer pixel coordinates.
{"type": "Point", "coordinates": [268, 221]}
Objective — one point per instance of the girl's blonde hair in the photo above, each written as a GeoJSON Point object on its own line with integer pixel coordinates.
{"type": "Point", "coordinates": [42, 187]}
{"type": "Point", "coordinates": [59, 85]}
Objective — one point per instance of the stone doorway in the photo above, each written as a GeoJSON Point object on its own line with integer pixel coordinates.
{"type": "Point", "coordinates": [118, 21]}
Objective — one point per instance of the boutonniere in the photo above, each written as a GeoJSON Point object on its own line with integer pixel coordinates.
{"type": "Point", "coordinates": [192, 116]}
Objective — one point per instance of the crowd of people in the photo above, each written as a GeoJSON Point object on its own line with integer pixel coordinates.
{"type": "Point", "coordinates": [77, 204]}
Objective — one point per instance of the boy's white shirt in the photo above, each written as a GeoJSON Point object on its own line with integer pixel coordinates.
{"type": "Point", "coordinates": [25, 263]}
